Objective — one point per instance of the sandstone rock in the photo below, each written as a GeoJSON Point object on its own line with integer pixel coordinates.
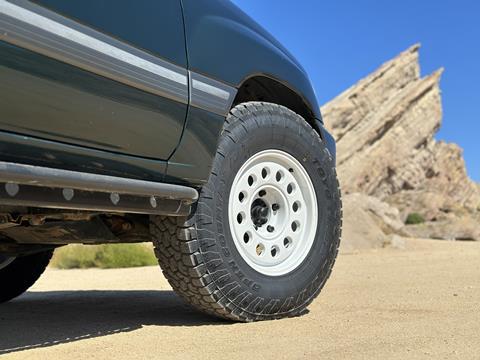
{"type": "Point", "coordinates": [386, 216]}
{"type": "Point", "coordinates": [384, 127]}
{"type": "Point", "coordinates": [396, 242]}
{"type": "Point", "coordinates": [359, 231]}
{"type": "Point", "coordinates": [367, 222]}
{"type": "Point", "coordinates": [464, 227]}
{"type": "Point", "coordinates": [430, 204]}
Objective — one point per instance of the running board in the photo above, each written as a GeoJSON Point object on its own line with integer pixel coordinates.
{"type": "Point", "coordinates": [35, 186]}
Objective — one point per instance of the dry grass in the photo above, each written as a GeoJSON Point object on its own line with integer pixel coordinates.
{"type": "Point", "coordinates": [103, 256]}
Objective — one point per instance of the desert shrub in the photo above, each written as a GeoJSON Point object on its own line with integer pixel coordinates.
{"type": "Point", "coordinates": [414, 218]}
{"type": "Point", "coordinates": [103, 256]}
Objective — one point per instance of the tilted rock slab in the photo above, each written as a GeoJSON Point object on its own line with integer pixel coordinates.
{"type": "Point", "coordinates": [384, 127]}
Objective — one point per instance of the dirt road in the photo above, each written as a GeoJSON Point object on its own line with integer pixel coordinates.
{"type": "Point", "coordinates": [418, 303]}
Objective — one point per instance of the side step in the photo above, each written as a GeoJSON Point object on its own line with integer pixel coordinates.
{"type": "Point", "coordinates": [35, 186]}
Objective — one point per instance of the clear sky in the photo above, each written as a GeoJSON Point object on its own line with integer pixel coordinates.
{"type": "Point", "coordinates": [340, 41]}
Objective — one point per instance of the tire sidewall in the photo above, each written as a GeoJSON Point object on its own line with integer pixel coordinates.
{"type": "Point", "coordinates": [281, 131]}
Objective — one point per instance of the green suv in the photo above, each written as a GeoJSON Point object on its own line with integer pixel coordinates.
{"type": "Point", "coordinates": [181, 122]}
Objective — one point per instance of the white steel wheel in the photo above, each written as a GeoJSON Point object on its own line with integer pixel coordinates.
{"type": "Point", "coordinates": [273, 212]}
{"type": "Point", "coordinates": [5, 261]}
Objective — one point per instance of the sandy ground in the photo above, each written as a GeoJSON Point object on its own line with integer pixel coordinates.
{"type": "Point", "coordinates": [418, 303]}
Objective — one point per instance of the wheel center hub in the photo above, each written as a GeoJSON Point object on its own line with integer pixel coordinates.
{"type": "Point", "coordinates": [259, 212]}
{"type": "Point", "coordinates": [268, 211]}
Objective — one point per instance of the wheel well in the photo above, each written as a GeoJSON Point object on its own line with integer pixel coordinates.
{"type": "Point", "coordinates": [261, 88]}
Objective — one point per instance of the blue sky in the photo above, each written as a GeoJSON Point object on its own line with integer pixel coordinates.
{"type": "Point", "coordinates": [340, 41]}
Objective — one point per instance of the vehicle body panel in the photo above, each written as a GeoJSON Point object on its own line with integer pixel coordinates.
{"type": "Point", "coordinates": [48, 99]}
{"type": "Point", "coordinates": [156, 26]}
{"type": "Point", "coordinates": [192, 161]}
{"type": "Point", "coordinates": [225, 43]}
{"type": "Point", "coordinates": [142, 101]}
{"type": "Point", "coordinates": [75, 102]}
{"type": "Point", "coordinates": [34, 151]}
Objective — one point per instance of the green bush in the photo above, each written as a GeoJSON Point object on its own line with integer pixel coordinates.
{"type": "Point", "coordinates": [414, 218]}
{"type": "Point", "coordinates": [103, 256]}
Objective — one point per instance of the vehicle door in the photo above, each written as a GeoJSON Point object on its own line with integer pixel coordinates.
{"type": "Point", "coordinates": [102, 74]}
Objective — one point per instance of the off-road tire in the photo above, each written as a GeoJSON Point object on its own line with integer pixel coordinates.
{"type": "Point", "coordinates": [197, 254]}
{"type": "Point", "coordinates": [22, 273]}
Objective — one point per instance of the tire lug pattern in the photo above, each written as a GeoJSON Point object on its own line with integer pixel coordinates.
{"type": "Point", "coordinates": [188, 249]}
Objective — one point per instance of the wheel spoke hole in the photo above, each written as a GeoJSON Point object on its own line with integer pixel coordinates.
{"type": "Point", "coordinates": [290, 188]}
{"type": "Point", "coordinates": [246, 237]}
{"type": "Point", "coordinates": [295, 226]}
{"type": "Point", "coordinates": [296, 206]}
{"type": "Point", "coordinates": [260, 249]}
{"type": "Point", "coordinates": [251, 180]}
{"type": "Point", "coordinates": [265, 172]}
{"type": "Point", "coordinates": [240, 217]}
{"type": "Point", "coordinates": [279, 176]}
{"type": "Point", "coordinates": [287, 242]}
{"type": "Point", "coordinates": [241, 196]}
{"type": "Point", "coordinates": [274, 251]}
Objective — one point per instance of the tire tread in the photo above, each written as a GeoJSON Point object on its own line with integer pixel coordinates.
{"type": "Point", "coordinates": [183, 246]}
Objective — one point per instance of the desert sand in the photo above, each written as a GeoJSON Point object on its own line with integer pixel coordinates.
{"type": "Point", "coordinates": [421, 302]}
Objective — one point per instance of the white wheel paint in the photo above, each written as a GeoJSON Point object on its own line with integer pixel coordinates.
{"type": "Point", "coordinates": [282, 180]}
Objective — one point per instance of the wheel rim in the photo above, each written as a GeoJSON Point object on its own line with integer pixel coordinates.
{"type": "Point", "coordinates": [5, 261]}
{"type": "Point", "coordinates": [273, 212]}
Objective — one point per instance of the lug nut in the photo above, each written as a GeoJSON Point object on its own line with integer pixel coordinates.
{"type": "Point", "coordinates": [262, 193]}
{"type": "Point", "coordinates": [275, 207]}
{"type": "Point", "coordinates": [270, 228]}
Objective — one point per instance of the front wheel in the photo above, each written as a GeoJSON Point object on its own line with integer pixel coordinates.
{"type": "Point", "coordinates": [266, 230]}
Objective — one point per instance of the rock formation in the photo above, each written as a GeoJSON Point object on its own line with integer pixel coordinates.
{"type": "Point", "coordinates": [368, 222]}
{"type": "Point", "coordinates": [384, 127]}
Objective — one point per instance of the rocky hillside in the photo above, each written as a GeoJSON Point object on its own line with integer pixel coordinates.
{"type": "Point", "coordinates": [385, 126]}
